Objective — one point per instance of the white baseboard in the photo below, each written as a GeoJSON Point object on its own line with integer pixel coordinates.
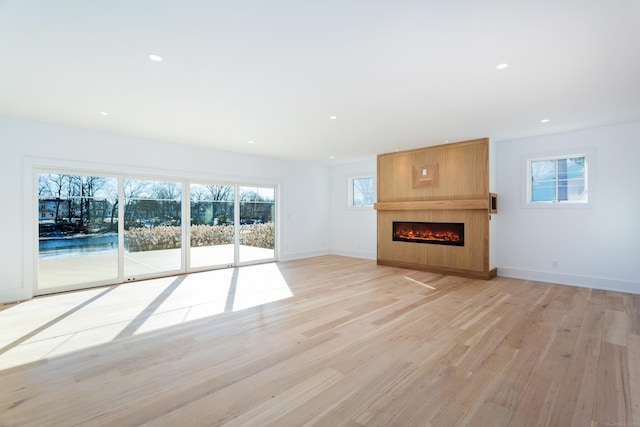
{"type": "Point", "coordinates": [310, 254]}
{"type": "Point", "coordinates": [571, 279]}
{"type": "Point", "coordinates": [14, 295]}
{"type": "Point", "coordinates": [355, 254]}
{"type": "Point", "coordinates": [22, 294]}
{"type": "Point", "coordinates": [300, 255]}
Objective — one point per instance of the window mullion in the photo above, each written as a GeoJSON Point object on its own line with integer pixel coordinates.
{"type": "Point", "coordinates": [557, 180]}
{"type": "Point", "coordinates": [555, 194]}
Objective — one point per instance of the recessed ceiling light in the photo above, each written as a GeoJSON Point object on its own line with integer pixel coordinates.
{"type": "Point", "coordinates": [104, 113]}
{"type": "Point", "coordinates": [250, 142]}
{"type": "Point", "coordinates": [333, 117]}
{"type": "Point", "coordinates": [332, 157]}
{"type": "Point", "coordinates": [156, 58]}
{"type": "Point", "coordinates": [544, 121]}
{"type": "Point", "coordinates": [502, 66]}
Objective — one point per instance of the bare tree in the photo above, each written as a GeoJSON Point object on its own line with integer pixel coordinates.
{"type": "Point", "coordinates": [134, 191]}
{"type": "Point", "coordinates": [167, 190]}
{"type": "Point", "coordinates": [221, 198]}
{"type": "Point", "coordinates": [52, 186]}
{"type": "Point", "coordinates": [169, 196]}
{"type": "Point", "coordinates": [90, 186]}
{"type": "Point", "coordinates": [363, 191]}
{"type": "Point", "coordinates": [220, 192]}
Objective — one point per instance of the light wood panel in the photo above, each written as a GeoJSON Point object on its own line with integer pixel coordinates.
{"type": "Point", "coordinates": [433, 204]}
{"type": "Point", "coordinates": [463, 172]}
{"type": "Point", "coordinates": [445, 183]}
{"type": "Point", "coordinates": [467, 259]}
{"type": "Point", "coordinates": [357, 344]}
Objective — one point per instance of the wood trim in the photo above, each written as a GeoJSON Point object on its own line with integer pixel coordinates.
{"type": "Point", "coordinates": [425, 175]}
{"type": "Point", "coordinates": [472, 274]}
{"type": "Point", "coordinates": [432, 205]}
{"type": "Point", "coordinates": [447, 145]}
{"type": "Point", "coordinates": [493, 203]}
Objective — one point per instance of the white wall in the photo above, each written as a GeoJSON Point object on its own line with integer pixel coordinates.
{"type": "Point", "coordinates": [353, 230]}
{"type": "Point", "coordinates": [304, 187]}
{"type": "Point", "coordinates": [596, 246]}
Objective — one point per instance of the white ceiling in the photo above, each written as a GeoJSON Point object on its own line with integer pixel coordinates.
{"type": "Point", "coordinates": [397, 74]}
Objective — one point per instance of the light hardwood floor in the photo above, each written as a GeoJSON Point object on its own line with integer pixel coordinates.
{"type": "Point", "coordinates": [329, 341]}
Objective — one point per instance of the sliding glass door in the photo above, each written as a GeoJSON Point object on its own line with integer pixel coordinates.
{"type": "Point", "coordinates": [152, 227]}
{"type": "Point", "coordinates": [257, 226]}
{"type": "Point", "coordinates": [212, 230]}
{"type": "Point", "coordinates": [96, 229]}
{"type": "Point", "coordinates": [77, 230]}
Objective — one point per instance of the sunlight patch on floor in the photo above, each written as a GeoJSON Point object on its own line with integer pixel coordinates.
{"type": "Point", "coordinates": [199, 295]}
{"type": "Point", "coordinates": [259, 284]}
{"type": "Point", "coordinates": [419, 283]}
{"type": "Point", "coordinates": [65, 323]}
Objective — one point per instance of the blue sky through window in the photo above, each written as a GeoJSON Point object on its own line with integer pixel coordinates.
{"type": "Point", "coordinates": [555, 180]}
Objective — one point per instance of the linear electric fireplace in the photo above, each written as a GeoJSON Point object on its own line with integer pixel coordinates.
{"type": "Point", "coordinates": [437, 233]}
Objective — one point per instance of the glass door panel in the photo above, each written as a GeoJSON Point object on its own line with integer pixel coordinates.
{"type": "Point", "coordinates": [96, 230]}
{"type": "Point", "coordinates": [257, 224]}
{"type": "Point", "coordinates": [152, 227]}
{"type": "Point", "coordinates": [212, 225]}
{"type": "Point", "coordinates": [78, 231]}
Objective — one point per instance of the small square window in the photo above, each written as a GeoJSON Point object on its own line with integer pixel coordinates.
{"type": "Point", "coordinates": [557, 180]}
{"type": "Point", "coordinates": [361, 191]}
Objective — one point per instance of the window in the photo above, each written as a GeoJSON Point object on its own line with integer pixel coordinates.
{"type": "Point", "coordinates": [361, 191]}
{"type": "Point", "coordinates": [152, 226]}
{"type": "Point", "coordinates": [99, 229]}
{"type": "Point", "coordinates": [560, 179]}
{"type": "Point", "coordinates": [78, 236]}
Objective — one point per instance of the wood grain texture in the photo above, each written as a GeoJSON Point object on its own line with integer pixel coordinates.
{"type": "Point", "coordinates": [472, 257]}
{"type": "Point", "coordinates": [433, 204]}
{"type": "Point", "coordinates": [442, 270]}
{"type": "Point", "coordinates": [459, 194]}
{"type": "Point", "coordinates": [351, 344]}
{"type": "Point", "coordinates": [463, 172]}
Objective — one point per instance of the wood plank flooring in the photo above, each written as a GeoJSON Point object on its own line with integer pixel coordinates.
{"type": "Point", "coordinates": [327, 341]}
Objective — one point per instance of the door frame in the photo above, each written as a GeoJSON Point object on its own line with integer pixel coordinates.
{"type": "Point", "coordinates": [34, 166]}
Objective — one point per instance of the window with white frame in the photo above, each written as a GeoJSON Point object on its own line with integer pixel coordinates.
{"type": "Point", "coordinates": [559, 179]}
{"type": "Point", "coordinates": [361, 191]}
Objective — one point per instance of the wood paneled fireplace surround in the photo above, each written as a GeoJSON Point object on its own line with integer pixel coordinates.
{"type": "Point", "coordinates": [437, 195]}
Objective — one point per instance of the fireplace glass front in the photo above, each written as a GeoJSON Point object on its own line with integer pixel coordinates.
{"type": "Point", "coordinates": [437, 233]}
